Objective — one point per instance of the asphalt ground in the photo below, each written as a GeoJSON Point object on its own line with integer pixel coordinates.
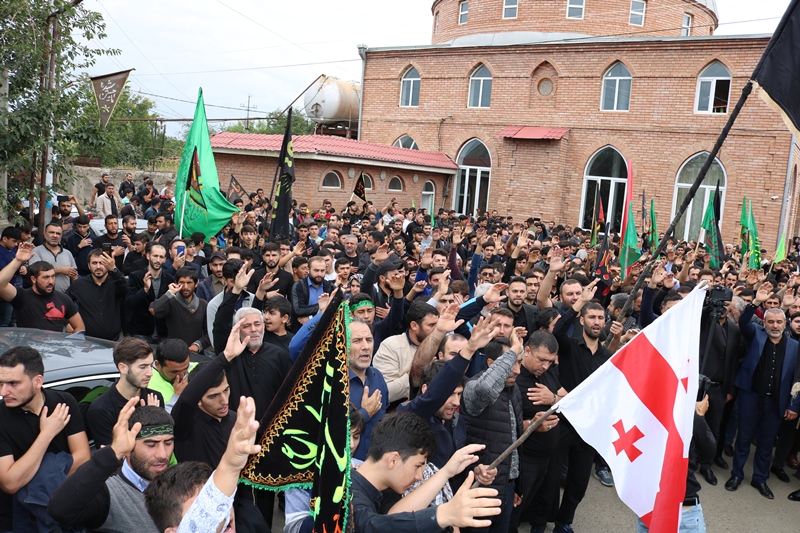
{"type": "Point", "coordinates": [743, 511]}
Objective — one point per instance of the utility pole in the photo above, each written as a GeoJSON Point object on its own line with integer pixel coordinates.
{"type": "Point", "coordinates": [247, 123]}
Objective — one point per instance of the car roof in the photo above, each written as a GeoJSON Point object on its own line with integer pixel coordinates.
{"type": "Point", "coordinates": [65, 356]}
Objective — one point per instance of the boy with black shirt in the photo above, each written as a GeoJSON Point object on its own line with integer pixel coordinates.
{"type": "Point", "coordinates": [134, 359]}
{"type": "Point", "coordinates": [35, 424]}
{"type": "Point", "coordinates": [41, 306]}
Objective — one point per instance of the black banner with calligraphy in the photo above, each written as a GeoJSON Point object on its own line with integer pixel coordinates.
{"type": "Point", "coordinates": [306, 439]}
{"type": "Point", "coordinates": [236, 191]}
{"type": "Point", "coordinates": [107, 90]}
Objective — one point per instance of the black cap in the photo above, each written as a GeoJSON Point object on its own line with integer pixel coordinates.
{"type": "Point", "coordinates": [387, 266]}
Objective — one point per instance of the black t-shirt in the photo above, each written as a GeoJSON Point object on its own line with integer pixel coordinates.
{"type": "Point", "coordinates": [104, 412]}
{"type": "Point", "coordinates": [50, 312]}
{"type": "Point", "coordinates": [101, 187]}
{"type": "Point", "coordinates": [18, 430]}
{"type": "Point", "coordinates": [538, 444]}
{"type": "Point", "coordinates": [284, 285]}
{"type": "Point", "coordinates": [117, 241]}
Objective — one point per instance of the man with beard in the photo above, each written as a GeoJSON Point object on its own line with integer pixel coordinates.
{"type": "Point", "coordinates": [145, 287]}
{"type": "Point", "coordinates": [127, 185]}
{"type": "Point", "coordinates": [80, 243]}
{"type": "Point", "coordinates": [34, 422]}
{"type": "Point", "coordinates": [306, 292]}
{"type": "Point", "coordinates": [106, 494]}
{"type": "Point", "coordinates": [128, 227]}
{"type": "Point", "coordinates": [271, 255]}
{"type": "Point", "coordinates": [214, 283]}
{"type": "Point", "coordinates": [524, 314]}
{"type": "Point", "coordinates": [61, 258]}
{"type": "Point", "coordinates": [578, 357]}
{"type": "Point", "coordinates": [113, 238]}
{"type": "Point", "coordinates": [99, 189]}
{"type": "Point", "coordinates": [65, 204]}
{"type": "Point", "coordinates": [183, 312]}
{"type": "Point", "coordinates": [166, 230]}
{"type": "Point", "coordinates": [368, 391]}
{"type": "Point", "coordinates": [41, 306]}
{"type": "Point", "coordinates": [108, 203]}
{"type": "Point", "coordinates": [134, 360]}
{"type": "Point", "coordinates": [100, 296]}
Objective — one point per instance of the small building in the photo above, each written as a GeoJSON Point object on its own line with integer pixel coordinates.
{"type": "Point", "coordinates": [541, 104]}
{"type": "Point", "coordinates": [326, 167]}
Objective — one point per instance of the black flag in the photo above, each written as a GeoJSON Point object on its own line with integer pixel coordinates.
{"type": "Point", "coordinates": [777, 76]}
{"type": "Point", "coordinates": [236, 191]}
{"type": "Point", "coordinates": [282, 203]}
{"type": "Point", "coordinates": [360, 190]}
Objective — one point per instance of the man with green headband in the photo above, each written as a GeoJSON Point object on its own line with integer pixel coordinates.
{"type": "Point", "coordinates": [106, 493]}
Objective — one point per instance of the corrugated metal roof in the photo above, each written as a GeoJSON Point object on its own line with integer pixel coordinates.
{"type": "Point", "coordinates": [533, 132]}
{"type": "Point", "coordinates": [330, 145]}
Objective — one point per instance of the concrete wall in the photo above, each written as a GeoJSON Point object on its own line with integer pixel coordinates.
{"type": "Point", "coordinates": [88, 176]}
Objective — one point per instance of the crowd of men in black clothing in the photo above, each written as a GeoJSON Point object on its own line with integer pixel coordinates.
{"type": "Point", "coordinates": [464, 332]}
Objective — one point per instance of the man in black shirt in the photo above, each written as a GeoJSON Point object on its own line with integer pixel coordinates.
{"type": "Point", "coordinates": [100, 296]}
{"type": "Point", "coordinates": [145, 286]}
{"type": "Point", "coordinates": [99, 189]}
{"type": "Point", "coordinates": [33, 422]}
{"type": "Point", "coordinates": [114, 238]}
{"type": "Point", "coordinates": [578, 358]}
{"type": "Point", "coordinates": [271, 254]}
{"type": "Point", "coordinates": [134, 359]}
{"type": "Point", "coordinates": [277, 314]}
{"type": "Point", "coordinates": [80, 243]}
{"type": "Point", "coordinates": [41, 306]}
{"type": "Point", "coordinates": [538, 383]}
{"type": "Point", "coordinates": [127, 185]}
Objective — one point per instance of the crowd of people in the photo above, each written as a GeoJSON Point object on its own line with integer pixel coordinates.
{"type": "Point", "coordinates": [464, 332]}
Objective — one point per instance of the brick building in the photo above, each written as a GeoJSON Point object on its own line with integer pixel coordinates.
{"type": "Point", "coordinates": [326, 168]}
{"type": "Point", "coordinates": [538, 102]}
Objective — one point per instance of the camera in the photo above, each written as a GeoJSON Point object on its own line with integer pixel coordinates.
{"type": "Point", "coordinates": [717, 300]}
{"type": "Point", "coordinates": [703, 384]}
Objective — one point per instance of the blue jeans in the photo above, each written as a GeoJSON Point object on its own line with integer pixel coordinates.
{"type": "Point", "coordinates": [692, 521]}
{"type": "Point", "coordinates": [6, 314]}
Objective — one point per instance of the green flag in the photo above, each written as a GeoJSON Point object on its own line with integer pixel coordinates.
{"type": "Point", "coordinates": [744, 228]}
{"type": "Point", "coordinates": [653, 229]}
{"type": "Point", "coordinates": [780, 253]}
{"type": "Point", "coordinates": [629, 247]}
{"type": "Point", "coordinates": [199, 204]}
{"type": "Point", "coordinates": [711, 240]}
{"type": "Point", "coordinates": [754, 244]}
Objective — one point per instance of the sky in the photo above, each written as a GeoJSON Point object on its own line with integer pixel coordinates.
{"type": "Point", "coordinates": [270, 51]}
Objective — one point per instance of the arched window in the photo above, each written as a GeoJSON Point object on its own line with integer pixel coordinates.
{"type": "Point", "coordinates": [367, 180]}
{"type": "Point", "coordinates": [616, 88]}
{"type": "Point", "coordinates": [409, 88]}
{"type": "Point", "coordinates": [472, 185]}
{"type": "Point", "coordinates": [428, 196]}
{"type": "Point", "coordinates": [332, 180]}
{"type": "Point", "coordinates": [713, 89]}
{"type": "Point", "coordinates": [396, 184]}
{"type": "Point", "coordinates": [480, 87]}
{"type": "Point", "coordinates": [406, 141]}
{"type": "Point", "coordinates": [688, 226]}
{"type": "Point", "coordinates": [607, 173]}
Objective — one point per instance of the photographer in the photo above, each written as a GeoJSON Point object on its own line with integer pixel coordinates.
{"type": "Point", "coordinates": [720, 349]}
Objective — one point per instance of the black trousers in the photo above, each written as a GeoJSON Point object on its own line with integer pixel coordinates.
{"type": "Point", "coordinates": [580, 455]}
{"type": "Point", "coordinates": [534, 470]}
{"type": "Point", "coordinates": [786, 438]}
{"type": "Point", "coordinates": [714, 415]}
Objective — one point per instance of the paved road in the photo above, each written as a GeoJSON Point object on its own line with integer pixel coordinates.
{"type": "Point", "coordinates": [743, 511]}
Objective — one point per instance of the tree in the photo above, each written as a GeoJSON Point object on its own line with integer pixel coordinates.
{"type": "Point", "coordinates": [301, 125]}
{"type": "Point", "coordinates": [38, 117]}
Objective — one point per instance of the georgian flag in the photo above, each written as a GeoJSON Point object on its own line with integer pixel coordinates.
{"type": "Point", "coordinates": [637, 411]}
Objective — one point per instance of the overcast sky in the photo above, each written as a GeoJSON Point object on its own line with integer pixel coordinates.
{"type": "Point", "coordinates": [273, 50]}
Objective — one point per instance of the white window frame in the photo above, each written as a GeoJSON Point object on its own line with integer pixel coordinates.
{"type": "Point", "coordinates": [576, 4]}
{"type": "Point", "coordinates": [465, 173]}
{"type": "Point", "coordinates": [425, 199]}
{"type": "Point", "coordinates": [389, 186]}
{"type": "Point", "coordinates": [686, 26]}
{"type": "Point", "coordinates": [713, 81]}
{"type": "Point", "coordinates": [703, 193]}
{"type": "Point", "coordinates": [400, 142]}
{"type": "Point", "coordinates": [613, 199]}
{"type": "Point", "coordinates": [368, 183]}
{"type": "Point", "coordinates": [481, 83]}
{"type": "Point", "coordinates": [463, 12]}
{"type": "Point", "coordinates": [509, 5]}
{"type": "Point", "coordinates": [436, 23]}
{"type": "Point", "coordinates": [337, 177]}
{"type": "Point", "coordinates": [637, 13]}
{"type": "Point", "coordinates": [616, 79]}
{"type": "Point", "coordinates": [412, 82]}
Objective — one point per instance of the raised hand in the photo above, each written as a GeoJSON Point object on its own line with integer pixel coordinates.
{"type": "Point", "coordinates": [557, 262]}
{"type": "Point", "coordinates": [235, 345]}
{"type": "Point", "coordinates": [242, 279]}
{"type": "Point", "coordinates": [763, 294]}
{"type": "Point", "coordinates": [381, 254]}
{"type": "Point", "coordinates": [462, 458]}
{"type": "Point", "coordinates": [516, 341]}
{"type": "Point", "coordinates": [147, 281]}
{"type": "Point", "coordinates": [241, 442]}
{"type": "Point", "coordinates": [426, 260]}
{"type": "Point", "coordinates": [495, 293]}
{"type": "Point", "coordinates": [24, 252]}
{"type": "Point", "coordinates": [152, 400]}
{"type": "Point", "coordinates": [483, 332]}
{"type": "Point", "coordinates": [123, 438]}
{"type": "Point", "coordinates": [447, 319]}
{"type": "Point", "coordinates": [174, 288]}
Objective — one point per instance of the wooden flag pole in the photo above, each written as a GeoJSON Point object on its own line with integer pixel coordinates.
{"type": "Point", "coordinates": [517, 443]}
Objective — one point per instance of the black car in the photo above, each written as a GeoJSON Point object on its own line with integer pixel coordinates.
{"type": "Point", "coordinates": [72, 362]}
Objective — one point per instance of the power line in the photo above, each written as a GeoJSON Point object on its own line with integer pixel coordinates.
{"type": "Point", "coordinates": [206, 54]}
{"type": "Point", "coordinates": [253, 68]}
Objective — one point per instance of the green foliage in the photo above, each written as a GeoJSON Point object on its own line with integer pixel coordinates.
{"type": "Point", "coordinates": [301, 125]}
{"type": "Point", "coordinates": [37, 117]}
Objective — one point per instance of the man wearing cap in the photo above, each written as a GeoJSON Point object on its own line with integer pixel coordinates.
{"type": "Point", "coordinates": [214, 283]}
{"type": "Point", "coordinates": [99, 188]}
{"type": "Point", "coordinates": [107, 492]}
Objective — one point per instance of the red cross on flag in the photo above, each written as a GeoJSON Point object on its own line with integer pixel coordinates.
{"type": "Point", "coordinates": [637, 411]}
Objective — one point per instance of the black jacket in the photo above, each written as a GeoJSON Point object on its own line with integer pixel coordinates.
{"type": "Point", "coordinates": [139, 319]}
{"type": "Point", "coordinates": [300, 304]}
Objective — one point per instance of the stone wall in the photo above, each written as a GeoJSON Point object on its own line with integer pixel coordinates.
{"type": "Point", "coordinates": [88, 176]}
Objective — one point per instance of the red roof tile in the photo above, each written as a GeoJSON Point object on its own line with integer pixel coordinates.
{"type": "Point", "coordinates": [533, 132]}
{"type": "Point", "coordinates": [330, 145]}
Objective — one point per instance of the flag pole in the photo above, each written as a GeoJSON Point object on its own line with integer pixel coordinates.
{"type": "Point", "coordinates": [517, 443]}
{"type": "Point", "coordinates": [662, 245]}
{"type": "Point", "coordinates": [183, 212]}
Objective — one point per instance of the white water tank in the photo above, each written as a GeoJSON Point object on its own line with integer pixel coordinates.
{"type": "Point", "coordinates": [331, 100]}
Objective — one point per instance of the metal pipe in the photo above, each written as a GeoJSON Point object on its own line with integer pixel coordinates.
{"type": "Point", "coordinates": [362, 53]}
{"type": "Point", "coordinates": [787, 196]}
